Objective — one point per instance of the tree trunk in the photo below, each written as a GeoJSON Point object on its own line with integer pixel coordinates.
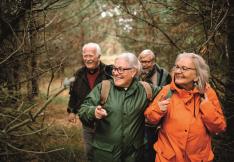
{"type": "Point", "coordinates": [229, 106]}
{"type": "Point", "coordinates": [33, 86]}
{"type": "Point", "coordinates": [227, 153]}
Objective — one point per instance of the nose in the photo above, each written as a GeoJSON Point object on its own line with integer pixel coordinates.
{"type": "Point", "coordinates": [178, 70]}
{"type": "Point", "coordinates": [115, 72]}
{"type": "Point", "coordinates": [88, 58]}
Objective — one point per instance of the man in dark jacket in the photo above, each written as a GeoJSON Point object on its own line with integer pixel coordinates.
{"type": "Point", "coordinates": [154, 74]}
{"type": "Point", "coordinates": [92, 73]}
{"type": "Point", "coordinates": [151, 71]}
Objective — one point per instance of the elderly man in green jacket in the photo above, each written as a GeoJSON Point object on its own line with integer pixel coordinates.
{"type": "Point", "coordinates": [119, 134]}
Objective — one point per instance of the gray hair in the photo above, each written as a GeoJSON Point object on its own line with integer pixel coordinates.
{"type": "Point", "coordinates": [132, 60]}
{"type": "Point", "coordinates": [145, 53]}
{"type": "Point", "coordinates": [94, 45]}
{"type": "Point", "coordinates": [202, 69]}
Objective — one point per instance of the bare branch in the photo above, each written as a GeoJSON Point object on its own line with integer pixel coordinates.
{"type": "Point", "coordinates": [34, 152]}
{"type": "Point", "coordinates": [12, 128]}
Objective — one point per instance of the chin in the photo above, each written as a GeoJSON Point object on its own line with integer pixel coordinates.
{"type": "Point", "coordinates": [145, 71]}
{"type": "Point", "coordinates": [179, 81]}
{"type": "Point", "coordinates": [118, 84]}
{"type": "Point", "coordinates": [90, 66]}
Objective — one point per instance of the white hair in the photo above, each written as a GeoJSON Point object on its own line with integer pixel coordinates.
{"type": "Point", "coordinates": [132, 60]}
{"type": "Point", "coordinates": [146, 52]}
{"type": "Point", "coordinates": [93, 45]}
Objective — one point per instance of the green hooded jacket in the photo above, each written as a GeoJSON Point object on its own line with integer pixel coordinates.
{"type": "Point", "coordinates": [121, 133]}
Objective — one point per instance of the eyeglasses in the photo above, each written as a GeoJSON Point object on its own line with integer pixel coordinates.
{"type": "Point", "coordinates": [182, 68]}
{"type": "Point", "coordinates": [146, 62]}
{"type": "Point", "coordinates": [120, 70]}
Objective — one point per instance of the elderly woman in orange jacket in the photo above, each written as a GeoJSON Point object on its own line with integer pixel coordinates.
{"type": "Point", "coordinates": [189, 116]}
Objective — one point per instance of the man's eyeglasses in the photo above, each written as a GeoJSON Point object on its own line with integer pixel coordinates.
{"type": "Point", "coordinates": [182, 68]}
{"type": "Point", "coordinates": [146, 62]}
{"type": "Point", "coordinates": [120, 70]}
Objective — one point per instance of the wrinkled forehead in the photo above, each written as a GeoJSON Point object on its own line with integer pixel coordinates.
{"type": "Point", "coordinates": [121, 62]}
{"type": "Point", "coordinates": [89, 49]}
{"type": "Point", "coordinates": [145, 57]}
{"type": "Point", "coordinates": [184, 61]}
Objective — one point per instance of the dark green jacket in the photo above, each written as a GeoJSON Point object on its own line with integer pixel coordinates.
{"type": "Point", "coordinates": [163, 77]}
{"type": "Point", "coordinates": [123, 129]}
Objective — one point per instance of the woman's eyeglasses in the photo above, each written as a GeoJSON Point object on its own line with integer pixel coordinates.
{"type": "Point", "coordinates": [120, 70]}
{"type": "Point", "coordinates": [182, 68]}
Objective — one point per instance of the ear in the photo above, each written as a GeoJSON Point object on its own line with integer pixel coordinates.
{"type": "Point", "coordinates": [134, 73]}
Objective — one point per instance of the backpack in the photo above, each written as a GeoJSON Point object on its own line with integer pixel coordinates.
{"type": "Point", "coordinates": [106, 88]}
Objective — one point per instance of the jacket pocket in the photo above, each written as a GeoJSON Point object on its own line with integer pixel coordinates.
{"type": "Point", "coordinates": [103, 146]}
{"type": "Point", "coordinates": [164, 151]}
{"type": "Point", "coordinates": [102, 151]}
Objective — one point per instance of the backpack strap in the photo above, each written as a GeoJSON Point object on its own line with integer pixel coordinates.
{"type": "Point", "coordinates": [148, 90]}
{"type": "Point", "coordinates": [104, 91]}
{"type": "Point", "coordinates": [169, 93]}
{"type": "Point", "coordinates": [106, 88]}
{"type": "Point", "coordinates": [163, 77]}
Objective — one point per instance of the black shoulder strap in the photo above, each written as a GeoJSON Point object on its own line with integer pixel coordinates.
{"type": "Point", "coordinates": [104, 91]}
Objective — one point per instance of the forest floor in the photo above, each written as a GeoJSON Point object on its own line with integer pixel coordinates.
{"type": "Point", "coordinates": [69, 135]}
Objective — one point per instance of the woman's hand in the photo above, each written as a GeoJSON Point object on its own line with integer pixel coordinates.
{"type": "Point", "coordinates": [163, 104]}
{"type": "Point", "coordinates": [100, 113]}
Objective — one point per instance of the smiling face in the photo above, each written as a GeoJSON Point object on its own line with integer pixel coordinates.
{"type": "Point", "coordinates": [122, 73]}
{"type": "Point", "coordinates": [90, 57]}
{"type": "Point", "coordinates": [185, 73]}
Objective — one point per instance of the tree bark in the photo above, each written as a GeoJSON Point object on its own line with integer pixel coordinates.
{"type": "Point", "coordinates": [229, 104]}
{"type": "Point", "coordinates": [228, 142]}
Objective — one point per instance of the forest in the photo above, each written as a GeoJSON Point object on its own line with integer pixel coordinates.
{"type": "Point", "coordinates": [41, 43]}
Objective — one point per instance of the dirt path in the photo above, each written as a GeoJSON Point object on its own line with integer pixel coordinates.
{"type": "Point", "coordinates": [58, 115]}
{"type": "Point", "coordinates": [56, 112]}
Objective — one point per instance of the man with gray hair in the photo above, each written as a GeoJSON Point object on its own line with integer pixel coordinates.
{"type": "Point", "coordinates": [154, 74]}
{"type": "Point", "coordinates": [151, 71]}
{"type": "Point", "coordinates": [92, 73]}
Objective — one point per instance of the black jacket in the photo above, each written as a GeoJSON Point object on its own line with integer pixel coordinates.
{"type": "Point", "coordinates": [80, 87]}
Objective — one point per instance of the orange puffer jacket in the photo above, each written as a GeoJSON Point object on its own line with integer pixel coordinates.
{"type": "Point", "coordinates": [184, 135]}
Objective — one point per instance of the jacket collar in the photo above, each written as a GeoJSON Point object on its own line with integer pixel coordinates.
{"type": "Point", "coordinates": [153, 70]}
{"type": "Point", "coordinates": [182, 93]}
{"type": "Point", "coordinates": [131, 89]}
{"type": "Point", "coordinates": [84, 72]}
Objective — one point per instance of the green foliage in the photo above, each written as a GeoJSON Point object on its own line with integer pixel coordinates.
{"type": "Point", "coordinates": [171, 27]}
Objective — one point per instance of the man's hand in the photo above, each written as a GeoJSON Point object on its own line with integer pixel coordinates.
{"type": "Point", "coordinates": [72, 117]}
{"type": "Point", "coordinates": [100, 113]}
